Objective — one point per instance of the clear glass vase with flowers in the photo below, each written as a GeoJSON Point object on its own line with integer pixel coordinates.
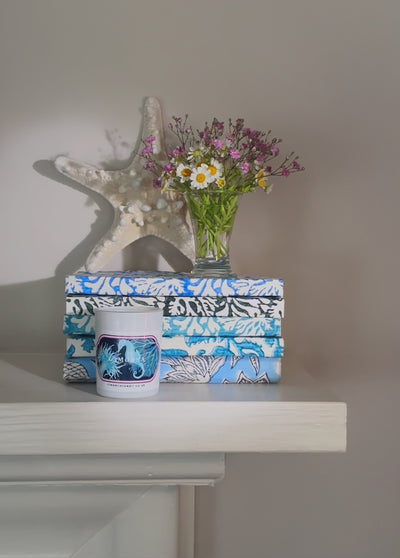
{"type": "Point", "coordinates": [212, 168]}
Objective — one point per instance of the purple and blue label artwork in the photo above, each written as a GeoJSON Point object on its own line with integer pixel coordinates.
{"type": "Point", "coordinates": [127, 359]}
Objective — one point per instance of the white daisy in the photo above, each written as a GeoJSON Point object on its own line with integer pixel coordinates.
{"type": "Point", "coordinates": [183, 172]}
{"type": "Point", "coordinates": [215, 169]}
{"type": "Point", "coordinates": [200, 177]}
{"type": "Point", "coordinates": [195, 154]}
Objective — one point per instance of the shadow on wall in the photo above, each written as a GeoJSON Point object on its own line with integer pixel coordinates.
{"type": "Point", "coordinates": [32, 312]}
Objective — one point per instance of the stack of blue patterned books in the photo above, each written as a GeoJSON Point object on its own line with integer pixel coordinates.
{"type": "Point", "coordinates": [215, 330]}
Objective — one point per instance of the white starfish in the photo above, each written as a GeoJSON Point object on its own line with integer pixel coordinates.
{"type": "Point", "coordinates": [139, 209]}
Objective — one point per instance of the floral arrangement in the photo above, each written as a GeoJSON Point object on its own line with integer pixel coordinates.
{"type": "Point", "coordinates": [238, 160]}
{"type": "Point", "coordinates": [212, 167]}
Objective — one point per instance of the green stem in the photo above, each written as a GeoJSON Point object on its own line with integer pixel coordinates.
{"type": "Point", "coordinates": [213, 215]}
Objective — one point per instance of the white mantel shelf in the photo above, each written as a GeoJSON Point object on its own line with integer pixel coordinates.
{"type": "Point", "coordinates": [120, 467]}
{"type": "Point", "coordinates": [41, 415]}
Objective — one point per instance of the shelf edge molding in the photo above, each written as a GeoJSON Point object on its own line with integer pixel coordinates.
{"type": "Point", "coordinates": [88, 428]}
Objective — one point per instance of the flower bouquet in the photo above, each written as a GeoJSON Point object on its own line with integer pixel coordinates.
{"type": "Point", "coordinates": [212, 168]}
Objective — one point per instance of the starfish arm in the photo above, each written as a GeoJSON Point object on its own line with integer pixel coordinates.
{"type": "Point", "coordinates": [122, 233]}
{"type": "Point", "coordinates": [139, 209]}
{"type": "Point", "coordinates": [152, 126]}
{"type": "Point", "coordinates": [87, 175]}
{"type": "Point", "coordinates": [182, 239]}
{"type": "Point", "coordinates": [172, 227]}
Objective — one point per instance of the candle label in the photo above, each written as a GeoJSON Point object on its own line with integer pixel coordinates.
{"type": "Point", "coordinates": [127, 360]}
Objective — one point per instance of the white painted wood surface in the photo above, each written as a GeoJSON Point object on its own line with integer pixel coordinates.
{"type": "Point", "coordinates": [39, 414]}
{"type": "Point", "coordinates": [86, 477]}
{"type": "Point", "coordinates": [89, 522]}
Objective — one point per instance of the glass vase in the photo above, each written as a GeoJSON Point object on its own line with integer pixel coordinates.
{"type": "Point", "coordinates": [212, 215]}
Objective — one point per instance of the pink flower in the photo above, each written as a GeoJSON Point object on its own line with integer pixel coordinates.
{"type": "Point", "coordinates": [149, 140]}
{"type": "Point", "coordinates": [234, 153]}
{"type": "Point", "coordinates": [217, 125]}
{"type": "Point", "coordinates": [296, 165]}
{"type": "Point", "coordinates": [285, 172]}
{"type": "Point", "coordinates": [245, 167]}
{"type": "Point", "coordinates": [149, 165]}
{"type": "Point", "coordinates": [274, 150]}
{"type": "Point", "coordinates": [218, 144]}
{"type": "Point", "coordinates": [146, 150]}
{"type": "Point", "coordinates": [205, 136]}
{"type": "Point", "coordinates": [168, 168]}
{"type": "Point", "coordinates": [156, 183]}
{"type": "Point", "coordinates": [176, 152]}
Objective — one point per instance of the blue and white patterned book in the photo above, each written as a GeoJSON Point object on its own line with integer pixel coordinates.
{"type": "Point", "coordinates": [84, 346]}
{"type": "Point", "coordinates": [144, 283]}
{"type": "Point", "coordinates": [229, 306]}
{"type": "Point", "coordinates": [222, 346]}
{"type": "Point", "coordinates": [80, 346]}
{"type": "Point", "coordinates": [194, 369]}
{"type": "Point", "coordinates": [188, 326]}
{"type": "Point", "coordinates": [220, 370]}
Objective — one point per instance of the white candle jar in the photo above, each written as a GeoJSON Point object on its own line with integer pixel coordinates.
{"type": "Point", "coordinates": [128, 351]}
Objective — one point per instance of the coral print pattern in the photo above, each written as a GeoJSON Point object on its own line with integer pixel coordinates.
{"type": "Point", "coordinates": [193, 369]}
{"type": "Point", "coordinates": [141, 283]}
{"type": "Point", "coordinates": [271, 307]}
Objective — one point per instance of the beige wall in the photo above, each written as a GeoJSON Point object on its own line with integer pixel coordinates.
{"type": "Point", "coordinates": [323, 75]}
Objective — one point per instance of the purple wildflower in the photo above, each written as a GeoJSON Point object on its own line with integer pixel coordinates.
{"type": "Point", "coordinates": [262, 147]}
{"type": "Point", "coordinates": [147, 149]}
{"type": "Point", "coordinates": [205, 136]}
{"type": "Point", "coordinates": [168, 168]}
{"type": "Point", "coordinates": [149, 165]}
{"type": "Point", "coordinates": [156, 183]}
{"type": "Point", "coordinates": [252, 134]}
{"type": "Point", "coordinates": [234, 153]}
{"type": "Point", "coordinates": [285, 172]}
{"type": "Point", "coordinates": [176, 152]}
{"type": "Point", "coordinates": [245, 167]}
{"type": "Point", "coordinates": [149, 140]}
{"type": "Point", "coordinates": [217, 125]}
{"type": "Point", "coordinates": [218, 144]}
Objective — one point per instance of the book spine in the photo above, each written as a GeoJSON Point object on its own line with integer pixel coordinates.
{"type": "Point", "coordinates": [222, 346]}
{"type": "Point", "coordinates": [270, 307]}
{"type": "Point", "coordinates": [188, 326]}
{"type": "Point", "coordinates": [146, 284]}
{"type": "Point", "coordinates": [81, 346]}
{"type": "Point", "coordinates": [200, 369]}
